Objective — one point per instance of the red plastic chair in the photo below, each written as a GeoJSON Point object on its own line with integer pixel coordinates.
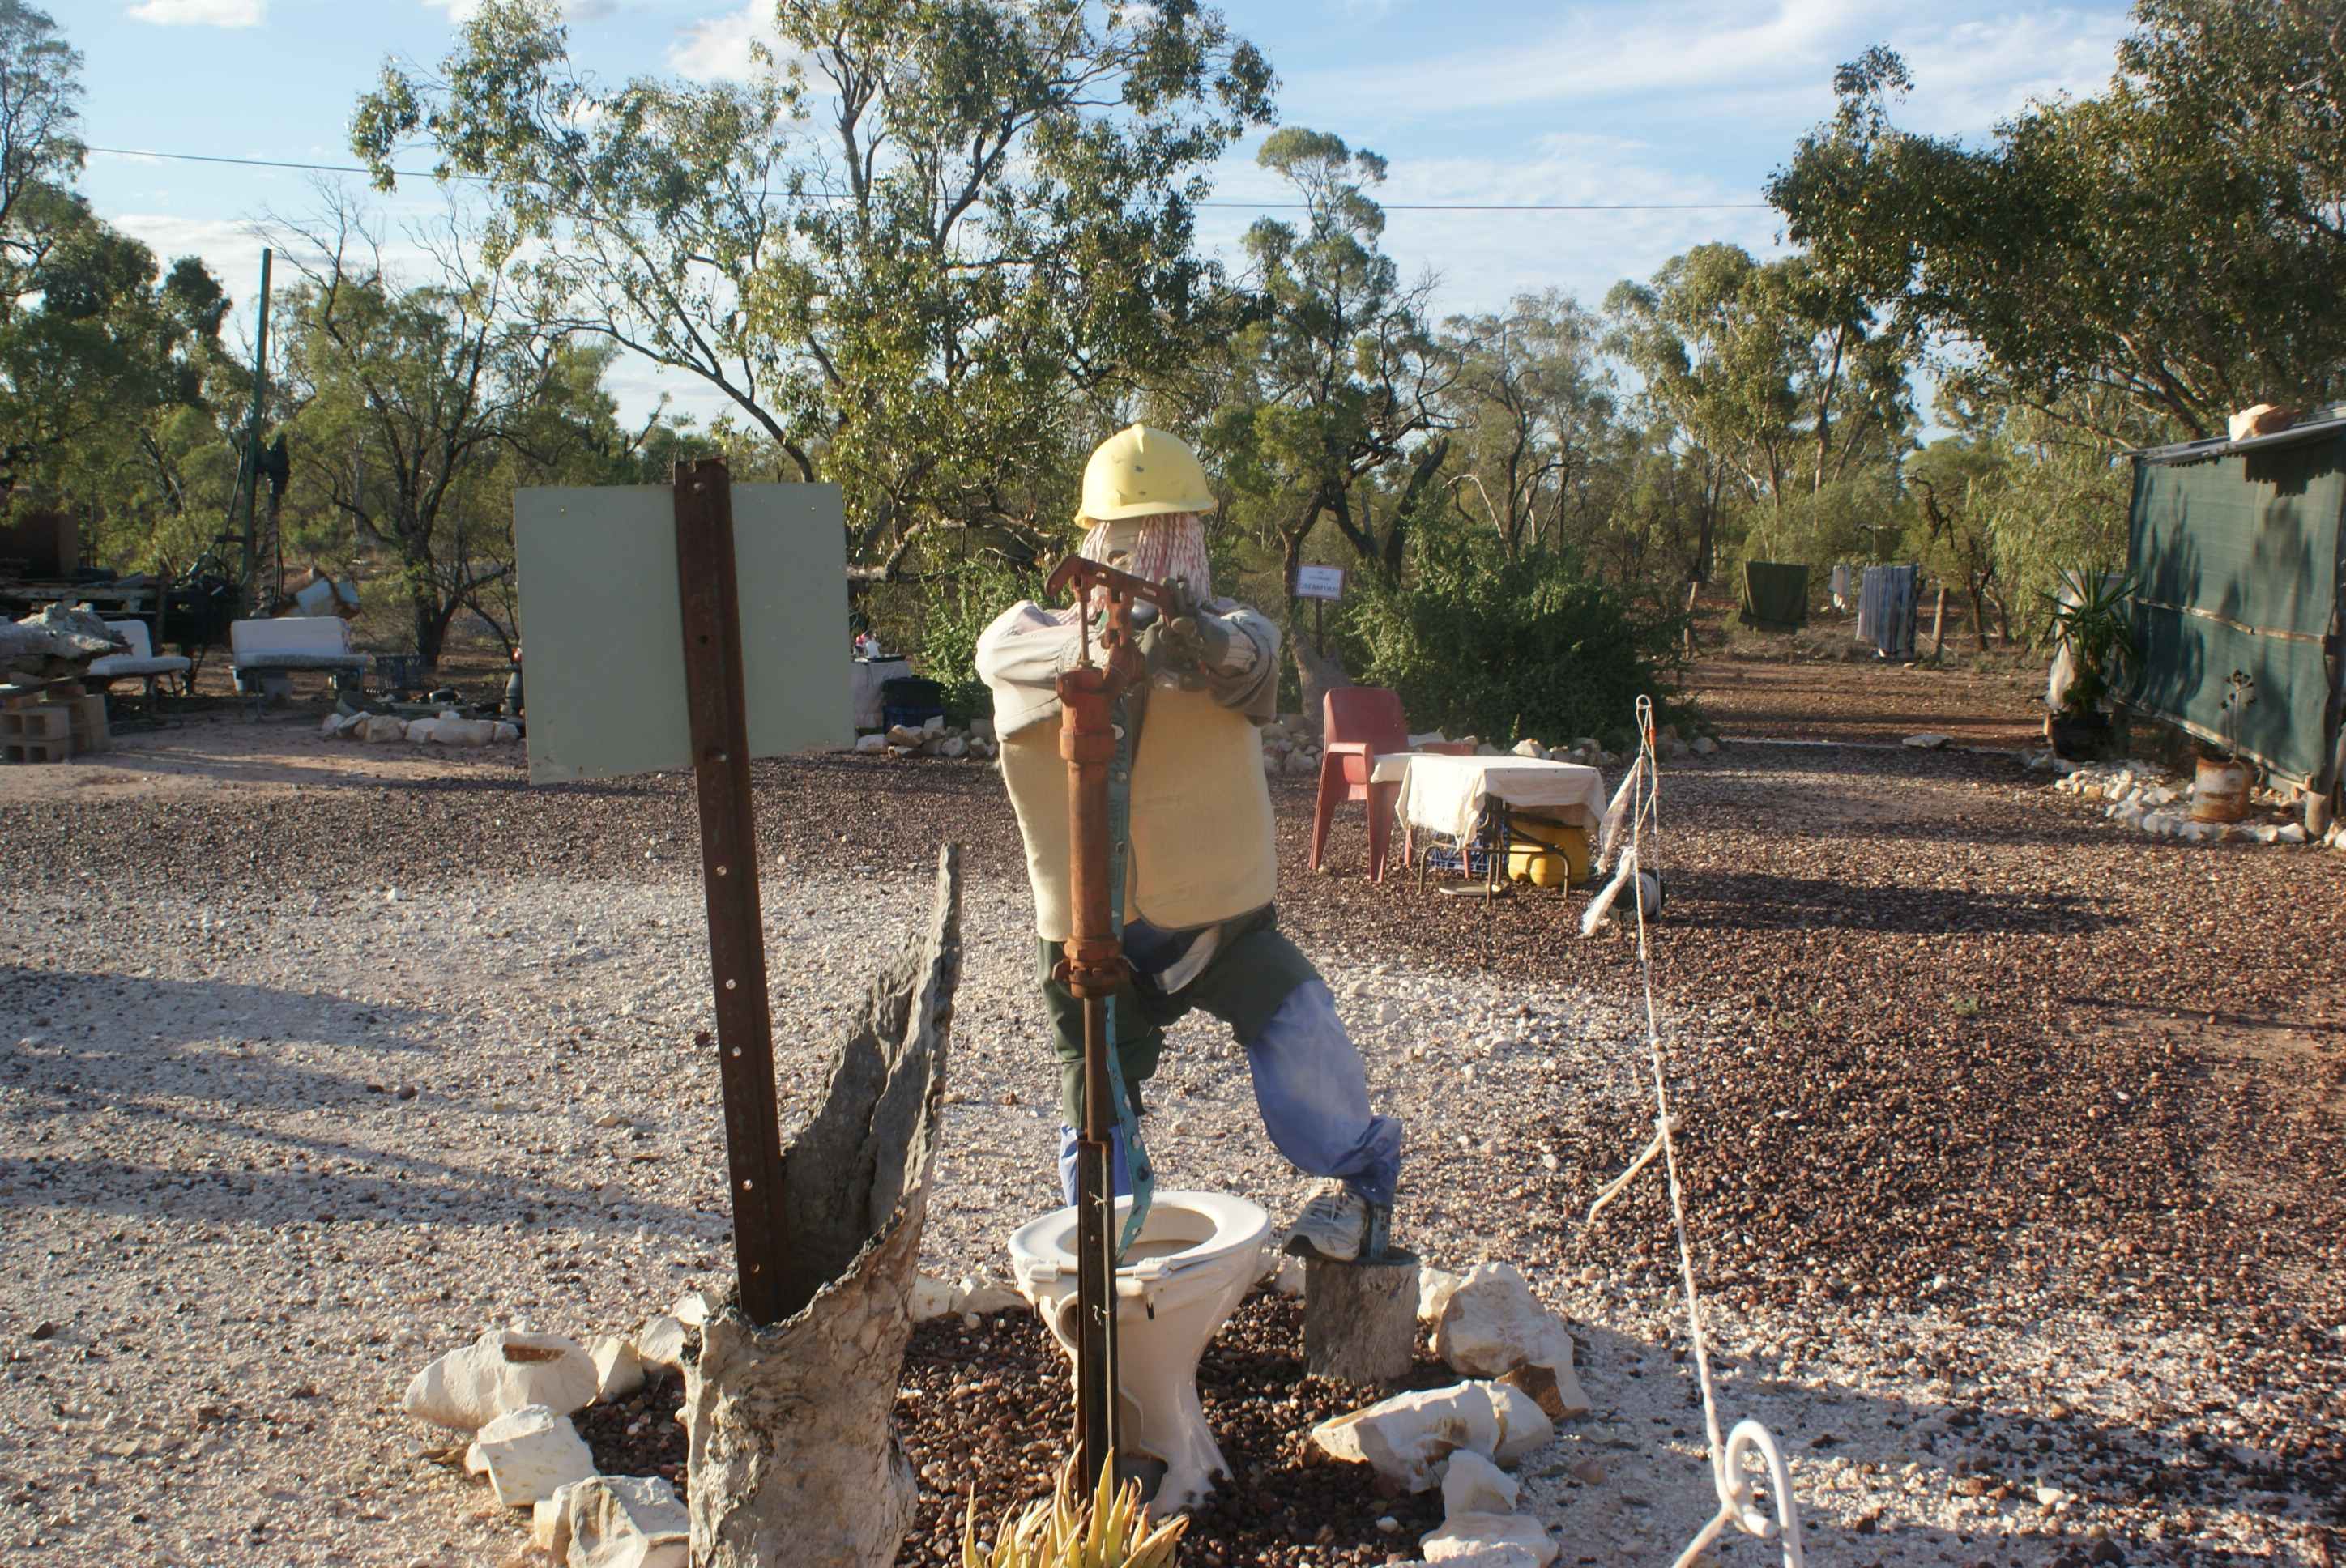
{"type": "Point", "coordinates": [1362, 724]}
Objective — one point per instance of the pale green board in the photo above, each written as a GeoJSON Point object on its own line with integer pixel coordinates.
{"type": "Point", "coordinates": [604, 633]}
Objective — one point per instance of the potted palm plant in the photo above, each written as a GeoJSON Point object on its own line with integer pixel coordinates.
{"type": "Point", "coordinates": [2090, 625]}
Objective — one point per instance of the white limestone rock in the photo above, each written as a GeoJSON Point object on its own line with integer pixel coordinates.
{"type": "Point", "coordinates": [463, 731]}
{"type": "Point", "coordinates": [1406, 1436]}
{"type": "Point", "coordinates": [953, 746]}
{"type": "Point", "coordinates": [380, 727]}
{"type": "Point", "coordinates": [1468, 1537]}
{"type": "Point", "coordinates": [1494, 1324]}
{"type": "Point", "coordinates": [1434, 1287]}
{"type": "Point", "coordinates": [503, 1371]}
{"type": "Point", "coordinates": [1473, 1484]}
{"type": "Point", "coordinates": [694, 1307]}
{"type": "Point", "coordinates": [627, 1521]}
{"type": "Point", "coordinates": [661, 1343]}
{"type": "Point", "coordinates": [930, 1298]}
{"type": "Point", "coordinates": [507, 732]}
{"type": "Point", "coordinates": [528, 1453]}
{"type": "Point", "coordinates": [420, 730]}
{"type": "Point", "coordinates": [871, 744]}
{"type": "Point", "coordinates": [1472, 1556]}
{"type": "Point", "coordinates": [1704, 745]}
{"type": "Point", "coordinates": [618, 1370]}
{"type": "Point", "coordinates": [549, 1524]}
{"type": "Point", "coordinates": [1529, 747]}
{"type": "Point", "coordinates": [1927, 742]}
{"type": "Point", "coordinates": [981, 1293]}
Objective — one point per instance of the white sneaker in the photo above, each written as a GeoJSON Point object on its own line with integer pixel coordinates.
{"type": "Point", "coordinates": [1338, 1226]}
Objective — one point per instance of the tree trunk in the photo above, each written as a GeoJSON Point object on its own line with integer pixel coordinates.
{"type": "Point", "coordinates": [794, 1456]}
{"type": "Point", "coordinates": [1359, 1320]}
{"type": "Point", "coordinates": [1939, 623]}
{"type": "Point", "coordinates": [1316, 673]}
{"type": "Point", "coordinates": [1979, 621]}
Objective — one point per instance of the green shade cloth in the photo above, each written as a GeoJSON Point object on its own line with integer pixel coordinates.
{"type": "Point", "coordinates": [1774, 597]}
{"type": "Point", "coordinates": [2236, 556]}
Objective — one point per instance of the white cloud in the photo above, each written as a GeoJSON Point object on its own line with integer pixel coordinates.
{"type": "Point", "coordinates": [202, 13]}
{"type": "Point", "coordinates": [716, 48]}
{"type": "Point", "coordinates": [1719, 60]}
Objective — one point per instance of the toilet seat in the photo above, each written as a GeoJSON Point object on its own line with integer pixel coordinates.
{"type": "Point", "coordinates": [1196, 1256]}
{"type": "Point", "coordinates": [1044, 1249]}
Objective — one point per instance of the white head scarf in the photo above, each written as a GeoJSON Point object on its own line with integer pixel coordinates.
{"type": "Point", "coordinates": [1169, 544]}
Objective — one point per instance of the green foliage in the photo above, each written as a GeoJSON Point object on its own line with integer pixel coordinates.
{"type": "Point", "coordinates": [2173, 241]}
{"type": "Point", "coordinates": [1504, 646]}
{"type": "Point", "coordinates": [955, 611]}
{"type": "Point", "coordinates": [1533, 410]}
{"type": "Point", "coordinates": [2094, 620]}
{"type": "Point", "coordinates": [1330, 380]}
{"type": "Point", "coordinates": [1777, 370]}
{"type": "Point", "coordinates": [413, 410]}
{"type": "Point", "coordinates": [926, 253]}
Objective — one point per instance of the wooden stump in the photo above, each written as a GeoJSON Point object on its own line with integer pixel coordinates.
{"type": "Point", "coordinates": [1359, 1320]}
{"type": "Point", "coordinates": [794, 1456]}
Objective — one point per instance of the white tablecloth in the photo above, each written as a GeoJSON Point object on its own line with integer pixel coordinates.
{"type": "Point", "coordinates": [1444, 794]}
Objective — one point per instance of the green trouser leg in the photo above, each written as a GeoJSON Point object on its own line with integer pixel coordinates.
{"type": "Point", "coordinates": [1140, 1038]}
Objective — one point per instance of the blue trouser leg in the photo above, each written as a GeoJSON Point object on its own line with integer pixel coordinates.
{"type": "Point", "coordinates": [1312, 1090]}
{"type": "Point", "coordinates": [1117, 1169]}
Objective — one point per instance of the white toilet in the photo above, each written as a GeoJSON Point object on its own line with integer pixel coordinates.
{"type": "Point", "coordinates": [1196, 1254]}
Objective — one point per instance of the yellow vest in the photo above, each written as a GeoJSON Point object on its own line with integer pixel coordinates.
{"type": "Point", "coordinates": [1202, 836]}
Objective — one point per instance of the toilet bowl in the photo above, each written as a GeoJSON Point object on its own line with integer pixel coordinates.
{"type": "Point", "coordinates": [1196, 1254]}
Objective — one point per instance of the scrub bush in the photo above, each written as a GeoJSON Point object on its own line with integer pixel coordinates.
{"type": "Point", "coordinates": [1478, 641]}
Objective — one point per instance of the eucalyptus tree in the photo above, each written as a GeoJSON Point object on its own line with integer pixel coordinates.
{"type": "Point", "coordinates": [1532, 404]}
{"type": "Point", "coordinates": [917, 249]}
{"type": "Point", "coordinates": [1779, 370]}
{"type": "Point", "coordinates": [413, 409]}
{"type": "Point", "coordinates": [2179, 239]}
{"type": "Point", "coordinates": [40, 121]}
{"type": "Point", "coordinates": [1334, 381]}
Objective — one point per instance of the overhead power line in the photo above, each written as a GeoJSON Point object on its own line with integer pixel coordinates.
{"type": "Point", "coordinates": [1242, 205]}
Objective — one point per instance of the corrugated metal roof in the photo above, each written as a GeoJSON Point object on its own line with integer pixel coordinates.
{"type": "Point", "coordinates": [2327, 425]}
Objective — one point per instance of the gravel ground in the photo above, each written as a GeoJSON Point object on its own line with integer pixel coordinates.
{"type": "Point", "coordinates": [2011, 1146]}
{"type": "Point", "coordinates": [1764, 696]}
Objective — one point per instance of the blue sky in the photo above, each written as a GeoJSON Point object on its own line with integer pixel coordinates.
{"type": "Point", "coordinates": [1671, 101]}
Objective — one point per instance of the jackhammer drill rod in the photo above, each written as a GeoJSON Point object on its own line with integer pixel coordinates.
{"type": "Point", "coordinates": [1094, 967]}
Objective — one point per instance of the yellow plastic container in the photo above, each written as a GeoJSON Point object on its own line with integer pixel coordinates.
{"type": "Point", "coordinates": [1547, 854]}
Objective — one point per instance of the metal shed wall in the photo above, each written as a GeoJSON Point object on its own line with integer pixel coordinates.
{"type": "Point", "coordinates": [2238, 558]}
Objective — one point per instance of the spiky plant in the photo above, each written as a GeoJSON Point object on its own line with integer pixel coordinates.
{"type": "Point", "coordinates": [1060, 1531]}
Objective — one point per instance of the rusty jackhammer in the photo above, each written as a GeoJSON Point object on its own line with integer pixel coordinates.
{"type": "Point", "coordinates": [1094, 965]}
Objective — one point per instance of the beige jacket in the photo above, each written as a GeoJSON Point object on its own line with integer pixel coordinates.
{"type": "Point", "coordinates": [1202, 850]}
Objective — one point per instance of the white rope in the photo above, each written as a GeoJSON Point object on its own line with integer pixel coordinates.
{"type": "Point", "coordinates": [1737, 1501]}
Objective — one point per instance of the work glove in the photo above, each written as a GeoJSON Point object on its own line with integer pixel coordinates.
{"type": "Point", "coordinates": [1209, 642]}
{"type": "Point", "coordinates": [1148, 638]}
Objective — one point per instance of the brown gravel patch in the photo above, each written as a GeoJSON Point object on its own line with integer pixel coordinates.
{"type": "Point", "coordinates": [1869, 700]}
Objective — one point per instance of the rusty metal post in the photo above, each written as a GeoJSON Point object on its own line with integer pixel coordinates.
{"type": "Point", "coordinates": [728, 873]}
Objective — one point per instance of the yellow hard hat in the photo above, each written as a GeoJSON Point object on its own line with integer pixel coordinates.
{"type": "Point", "coordinates": [1140, 471]}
